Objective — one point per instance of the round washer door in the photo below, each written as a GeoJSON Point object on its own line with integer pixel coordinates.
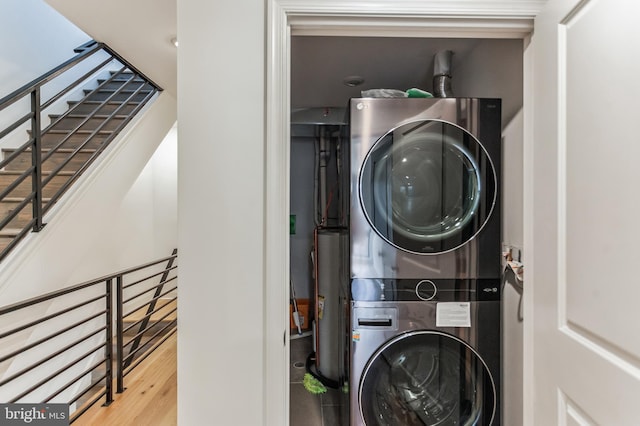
{"type": "Point", "coordinates": [426, 378]}
{"type": "Point", "coordinates": [427, 187]}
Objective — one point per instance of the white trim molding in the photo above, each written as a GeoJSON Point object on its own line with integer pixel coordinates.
{"type": "Point", "coordinates": [412, 8]}
{"type": "Point", "coordinates": [471, 18]}
{"type": "Point", "coordinates": [276, 250]}
{"type": "Point", "coordinates": [428, 26]}
{"type": "Point", "coordinates": [403, 18]}
{"type": "Point", "coordinates": [496, 19]}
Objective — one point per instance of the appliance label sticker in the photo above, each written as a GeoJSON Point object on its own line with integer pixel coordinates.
{"type": "Point", "coordinates": [453, 314]}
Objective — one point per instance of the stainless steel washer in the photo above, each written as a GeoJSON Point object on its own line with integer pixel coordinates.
{"type": "Point", "coordinates": [425, 352]}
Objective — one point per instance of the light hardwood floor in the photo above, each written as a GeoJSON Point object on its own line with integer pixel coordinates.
{"type": "Point", "coordinates": [150, 397]}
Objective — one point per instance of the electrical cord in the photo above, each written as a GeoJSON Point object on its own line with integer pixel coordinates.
{"type": "Point", "coordinates": [311, 362]}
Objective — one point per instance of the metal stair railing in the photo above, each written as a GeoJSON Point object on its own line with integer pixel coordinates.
{"type": "Point", "coordinates": [66, 355]}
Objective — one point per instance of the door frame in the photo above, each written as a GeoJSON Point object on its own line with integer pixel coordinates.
{"type": "Point", "coordinates": [404, 18]}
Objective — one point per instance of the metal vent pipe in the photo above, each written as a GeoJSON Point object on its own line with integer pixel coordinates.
{"type": "Point", "coordinates": [442, 74]}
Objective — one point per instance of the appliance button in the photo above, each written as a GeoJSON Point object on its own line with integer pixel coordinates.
{"type": "Point", "coordinates": [426, 290]}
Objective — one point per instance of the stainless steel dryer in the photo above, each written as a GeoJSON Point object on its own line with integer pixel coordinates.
{"type": "Point", "coordinates": [425, 352]}
{"type": "Point", "coordinates": [424, 188]}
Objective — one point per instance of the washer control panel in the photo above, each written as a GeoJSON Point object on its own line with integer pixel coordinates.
{"type": "Point", "coordinates": [425, 290]}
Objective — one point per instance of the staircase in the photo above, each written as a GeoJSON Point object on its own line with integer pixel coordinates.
{"type": "Point", "coordinates": [32, 182]}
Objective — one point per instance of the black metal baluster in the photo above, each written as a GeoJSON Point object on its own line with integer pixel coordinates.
{"type": "Point", "coordinates": [36, 158]}
{"type": "Point", "coordinates": [109, 343]}
{"type": "Point", "coordinates": [119, 339]}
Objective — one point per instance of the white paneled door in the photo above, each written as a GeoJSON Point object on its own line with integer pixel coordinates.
{"type": "Point", "coordinates": [586, 213]}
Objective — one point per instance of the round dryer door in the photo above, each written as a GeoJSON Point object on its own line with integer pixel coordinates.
{"type": "Point", "coordinates": [426, 378]}
{"type": "Point", "coordinates": [427, 187]}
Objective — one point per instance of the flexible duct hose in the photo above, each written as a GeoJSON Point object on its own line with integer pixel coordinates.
{"type": "Point", "coordinates": [310, 366]}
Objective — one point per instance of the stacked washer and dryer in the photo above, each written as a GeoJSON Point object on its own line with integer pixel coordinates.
{"type": "Point", "coordinates": [424, 262]}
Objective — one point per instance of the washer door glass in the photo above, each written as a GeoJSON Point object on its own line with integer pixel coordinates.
{"type": "Point", "coordinates": [427, 187]}
{"type": "Point", "coordinates": [426, 378]}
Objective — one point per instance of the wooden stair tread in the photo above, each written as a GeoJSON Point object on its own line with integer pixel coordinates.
{"type": "Point", "coordinates": [95, 102]}
{"type": "Point", "coordinates": [10, 232]}
{"type": "Point", "coordinates": [163, 307]}
{"type": "Point", "coordinates": [82, 132]}
{"type": "Point", "coordinates": [100, 116]}
{"type": "Point", "coordinates": [102, 90]}
{"type": "Point", "coordinates": [121, 80]}
{"type": "Point", "coordinates": [44, 172]}
{"type": "Point", "coordinates": [60, 150]}
{"type": "Point", "coordinates": [19, 199]}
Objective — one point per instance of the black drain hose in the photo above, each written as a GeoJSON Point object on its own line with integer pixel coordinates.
{"type": "Point", "coordinates": [310, 365]}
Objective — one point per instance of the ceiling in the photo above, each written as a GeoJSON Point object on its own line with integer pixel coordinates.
{"type": "Point", "coordinates": [142, 32]}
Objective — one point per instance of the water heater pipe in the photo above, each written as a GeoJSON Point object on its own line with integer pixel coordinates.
{"type": "Point", "coordinates": [324, 156]}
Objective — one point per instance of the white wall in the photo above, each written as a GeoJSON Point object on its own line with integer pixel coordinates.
{"type": "Point", "coordinates": [144, 225]}
{"type": "Point", "coordinates": [221, 175]}
{"type": "Point", "coordinates": [35, 38]}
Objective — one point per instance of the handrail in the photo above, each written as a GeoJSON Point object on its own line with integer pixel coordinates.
{"type": "Point", "coordinates": [84, 52]}
{"type": "Point", "coordinates": [131, 67]}
{"type": "Point", "coordinates": [59, 352]}
{"type": "Point", "coordinates": [48, 296]}
{"type": "Point", "coordinates": [48, 76]}
{"type": "Point", "coordinates": [50, 177]}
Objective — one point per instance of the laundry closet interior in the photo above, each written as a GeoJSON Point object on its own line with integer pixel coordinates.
{"type": "Point", "coordinates": [343, 300]}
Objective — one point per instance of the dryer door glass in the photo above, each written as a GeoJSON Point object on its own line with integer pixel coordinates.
{"type": "Point", "coordinates": [427, 187]}
{"type": "Point", "coordinates": [426, 379]}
